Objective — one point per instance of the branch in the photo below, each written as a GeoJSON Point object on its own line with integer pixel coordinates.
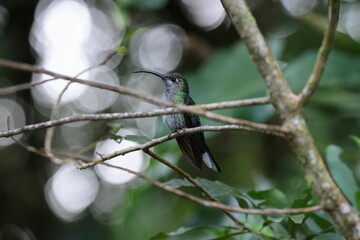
{"type": "Point", "coordinates": [235, 103]}
{"type": "Point", "coordinates": [50, 131]}
{"type": "Point", "coordinates": [245, 24]}
{"type": "Point", "coordinates": [323, 53]}
{"type": "Point", "coordinates": [160, 140]}
{"type": "Point", "coordinates": [54, 113]}
{"type": "Point", "coordinates": [250, 126]}
{"type": "Point", "coordinates": [119, 89]}
{"type": "Point", "coordinates": [196, 184]}
{"type": "Point", "coordinates": [287, 104]}
{"type": "Point", "coordinates": [188, 109]}
{"type": "Point", "coordinates": [214, 204]}
{"type": "Point", "coordinates": [210, 106]}
{"type": "Point", "coordinates": [23, 86]}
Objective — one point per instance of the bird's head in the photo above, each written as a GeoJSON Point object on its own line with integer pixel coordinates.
{"type": "Point", "coordinates": [172, 81]}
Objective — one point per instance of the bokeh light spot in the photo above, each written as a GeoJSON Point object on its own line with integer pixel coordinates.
{"type": "Point", "coordinates": [159, 48]}
{"type": "Point", "coordinates": [133, 161]}
{"type": "Point", "coordinates": [46, 94]}
{"type": "Point", "coordinates": [94, 99]}
{"type": "Point", "coordinates": [70, 191]}
{"type": "Point", "coordinates": [9, 108]}
{"type": "Point", "coordinates": [207, 14]}
{"type": "Point", "coordinates": [352, 21]}
{"type": "Point", "coordinates": [298, 8]}
{"type": "Point", "coordinates": [61, 23]}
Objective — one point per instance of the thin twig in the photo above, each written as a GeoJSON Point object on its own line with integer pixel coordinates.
{"type": "Point", "coordinates": [323, 53]}
{"type": "Point", "coordinates": [213, 204]}
{"type": "Point", "coordinates": [55, 110]}
{"type": "Point", "coordinates": [218, 205]}
{"type": "Point", "coordinates": [23, 86]}
{"type": "Point", "coordinates": [166, 138]}
{"type": "Point", "coordinates": [118, 89]}
{"type": "Point", "coordinates": [145, 97]}
{"type": "Point", "coordinates": [197, 185]}
{"type": "Point", "coordinates": [50, 131]}
{"type": "Point", "coordinates": [152, 142]}
{"type": "Point", "coordinates": [250, 126]}
{"type": "Point", "coordinates": [235, 103]}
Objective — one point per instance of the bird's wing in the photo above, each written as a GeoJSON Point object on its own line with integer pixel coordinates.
{"type": "Point", "coordinates": [200, 151]}
{"type": "Point", "coordinates": [184, 143]}
{"type": "Point", "coordinates": [190, 119]}
{"type": "Point", "coordinates": [196, 140]}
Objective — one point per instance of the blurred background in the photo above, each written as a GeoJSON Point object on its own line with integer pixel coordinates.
{"type": "Point", "coordinates": [42, 200]}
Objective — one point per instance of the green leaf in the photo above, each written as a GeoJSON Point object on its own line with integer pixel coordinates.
{"type": "Point", "coordinates": [144, 4]}
{"type": "Point", "coordinates": [329, 236]}
{"type": "Point", "coordinates": [341, 70]}
{"type": "Point", "coordinates": [115, 127]}
{"type": "Point", "coordinates": [357, 200]}
{"type": "Point", "coordinates": [230, 68]}
{"type": "Point", "coordinates": [320, 221]}
{"type": "Point", "coordinates": [356, 140]}
{"type": "Point", "coordinates": [297, 219]}
{"type": "Point", "coordinates": [341, 173]}
{"type": "Point", "coordinates": [272, 220]}
{"type": "Point", "coordinates": [116, 138]}
{"type": "Point", "coordinates": [191, 231]}
{"type": "Point", "coordinates": [216, 188]}
{"type": "Point", "coordinates": [137, 138]}
{"type": "Point", "coordinates": [272, 198]}
{"type": "Point", "coordinates": [177, 183]}
{"type": "Point", "coordinates": [122, 50]}
{"type": "Point", "coordinates": [244, 202]}
{"type": "Point", "coordinates": [198, 233]}
{"type": "Point", "coordinates": [303, 202]}
{"type": "Point", "coordinates": [128, 35]}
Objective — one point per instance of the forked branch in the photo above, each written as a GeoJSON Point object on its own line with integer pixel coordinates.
{"type": "Point", "coordinates": [323, 53]}
{"type": "Point", "coordinates": [289, 108]}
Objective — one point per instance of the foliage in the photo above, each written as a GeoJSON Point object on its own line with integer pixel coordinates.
{"type": "Point", "coordinates": [260, 172]}
{"type": "Point", "coordinates": [342, 174]}
{"type": "Point", "coordinates": [303, 226]}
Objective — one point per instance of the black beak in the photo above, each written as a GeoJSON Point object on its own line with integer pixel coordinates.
{"type": "Point", "coordinates": [151, 72]}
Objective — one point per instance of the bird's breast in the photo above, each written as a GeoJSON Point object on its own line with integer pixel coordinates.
{"type": "Point", "coordinates": [174, 121]}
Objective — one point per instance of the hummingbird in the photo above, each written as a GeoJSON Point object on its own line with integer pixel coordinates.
{"type": "Point", "coordinates": [193, 145]}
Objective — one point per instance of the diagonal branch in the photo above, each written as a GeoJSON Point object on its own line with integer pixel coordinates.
{"type": "Point", "coordinates": [287, 104]}
{"type": "Point", "coordinates": [280, 93]}
{"type": "Point", "coordinates": [23, 86]}
{"type": "Point", "coordinates": [214, 204]}
{"type": "Point", "coordinates": [119, 89]}
{"type": "Point", "coordinates": [196, 184]}
{"type": "Point", "coordinates": [323, 53]}
{"type": "Point", "coordinates": [145, 97]}
{"type": "Point", "coordinates": [55, 110]}
{"type": "Point", "coordinates": [157, 141]}
{"type": "Point", "coordinates": [250, 126]}
{"type": "Point", "coordinates": [218, 105]}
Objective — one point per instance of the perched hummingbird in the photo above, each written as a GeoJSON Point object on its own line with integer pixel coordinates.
{"type": "Point", "coordinates": [193, 146]}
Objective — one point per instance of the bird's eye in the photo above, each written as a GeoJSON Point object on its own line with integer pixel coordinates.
{"type": "Point", "coordinates": [174, 79]}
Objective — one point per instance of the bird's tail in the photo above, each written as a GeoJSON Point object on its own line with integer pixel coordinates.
{"type": "Point", "coordinates": [208, 159]}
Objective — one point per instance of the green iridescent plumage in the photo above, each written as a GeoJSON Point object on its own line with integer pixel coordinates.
{"type": "Point", "coordinates": [193, 146]}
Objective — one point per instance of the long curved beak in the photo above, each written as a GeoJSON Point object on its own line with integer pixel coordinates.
{"type": "Point", "coordinates": [151, 72]}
